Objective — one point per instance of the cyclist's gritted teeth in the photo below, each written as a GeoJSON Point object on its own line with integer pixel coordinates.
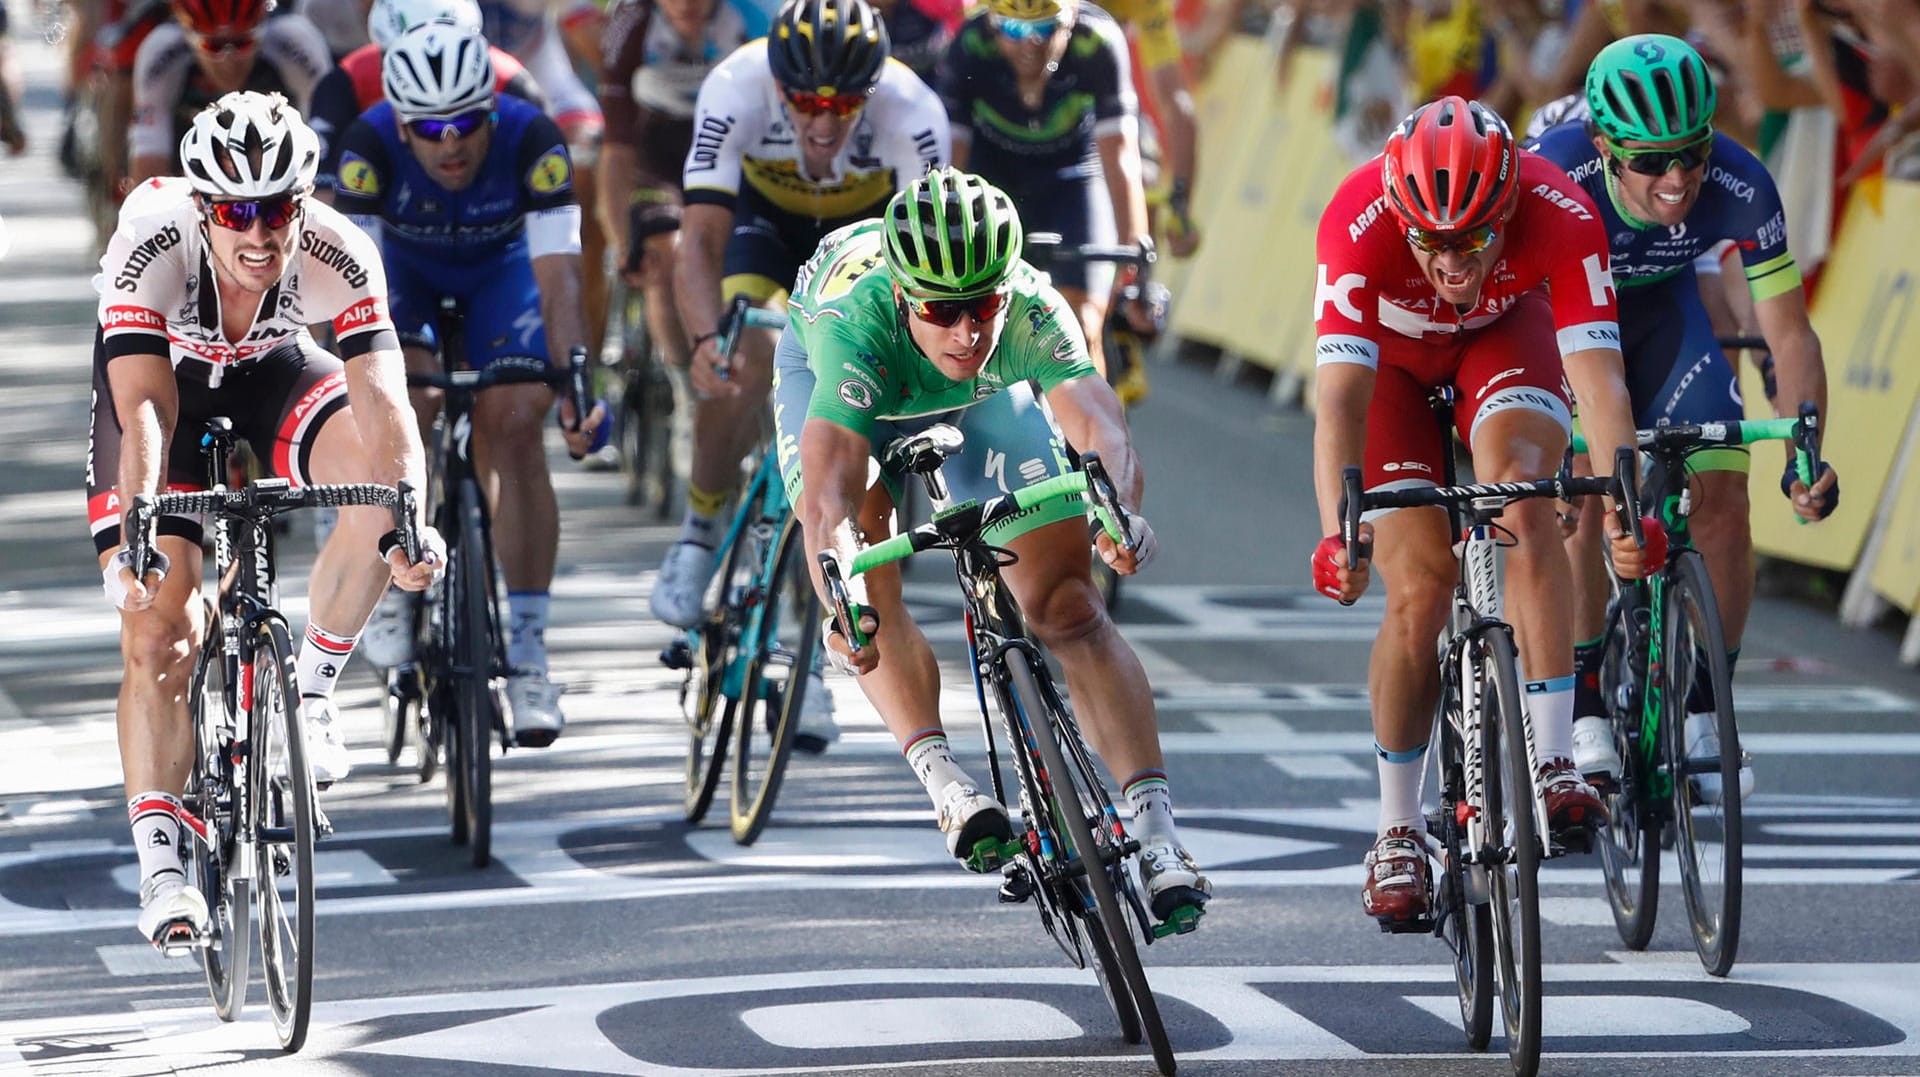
{"type": "Point", "coordinates": [261, 259]}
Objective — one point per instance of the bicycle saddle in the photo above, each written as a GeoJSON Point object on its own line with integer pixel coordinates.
{"type": "Point", "coordinates": [925, 451]}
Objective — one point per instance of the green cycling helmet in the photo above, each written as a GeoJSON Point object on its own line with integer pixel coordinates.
{"type": "Point", "coordinates": [1650, 88]}
{"type": "Point", "coordinates": [951, 234]}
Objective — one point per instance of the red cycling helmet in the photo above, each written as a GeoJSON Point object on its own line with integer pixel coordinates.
{"type": "Point", "coordinates": [217, 16]}
{"type": "Point", "coordinates": [1452, 166]}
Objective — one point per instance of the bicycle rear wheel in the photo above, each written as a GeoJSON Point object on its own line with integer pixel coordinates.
{"type": "Point", "coordinates": [1104, 915]}
{"type": "Point", "coordinates": [1706, 832]}
{"type": "Point", "coordinates": [473, 679]}
{"type": "Point", "coordinates": [283, 827]}
{"type": "Point", "coordinates": [1515, 889]}
{"type": "Point", "coordinates": [776, 681]}
{"type": "Point", "coordinates": [1630, 841]}
{"type": "Point", "coordinates": [711, 698]}
{"type": "Point", "coordinates": [213, 795]}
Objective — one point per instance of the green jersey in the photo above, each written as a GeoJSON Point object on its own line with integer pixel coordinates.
{"type": "Point", "coordinates": [865, 364]}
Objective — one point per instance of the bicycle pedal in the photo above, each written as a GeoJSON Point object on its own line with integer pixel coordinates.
{"type": "Point", "coordinates": [677, 655]}
{"type": "Point", "coordinates": [322, 826]}
{"type": "Point", "coordinates": [988, 854]}
{"type": "Point", "coordinates": [1418, 925]}
{"type": "Point", "coordinates": [177, 938]}
{"type": "Point", "coordinates": [1182, 921]}
{"type": "Point", "coordinates": [1017, 886]}
{"type": "Point", "coordinates": [1578, 839]}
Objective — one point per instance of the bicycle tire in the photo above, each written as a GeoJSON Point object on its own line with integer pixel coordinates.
{"type": "Point", "coordinates": [474, 691]}
{"type": "Point", "coordinates": [1106, 913]}
{"type": "Point", "coordinates": [283, 820]}
{"type": "Point", "coordinates": [1630, 840]}
{"type": "Point", "coordinates": [715, 648]}
{"type": "Point", "coordinates": [1515, 892]}
{"type": "Point", "coordinates": [1694, 633]}
{"type": "Point", "coordinates": [1471, 924]}
{"type": "Point", "coordinates": [764, 703]}
{"type": "Point", "coordinates": [228, 954]}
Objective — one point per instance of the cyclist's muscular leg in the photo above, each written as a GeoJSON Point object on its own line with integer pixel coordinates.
{"type": "Point", "coordinates": [1053, 583]}
{"type": "Point", "coordinates": [1517, 446]}
{"type": "Point", "coordinates": [725, 428]}
{"type": "Point", "coordinates": [158, 646]}
{"type": "Point", "coordinates": [512, 464]}
{"type": "Point", "coordinates": [663, 316]}
{"type": "Point", "coordinates": [1721, 529]}
{"type": "Point", "coordinates": [1414, 556]}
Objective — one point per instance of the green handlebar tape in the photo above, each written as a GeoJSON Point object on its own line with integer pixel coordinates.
{"type": "Point", "coordinates": [1750, 432]}
{"type": "Point", "coordinates": [762, 318]}
{"type": "Point", "coordinates": [1067, 485]}
{"type": "Point", "coordinates": [893, 549]}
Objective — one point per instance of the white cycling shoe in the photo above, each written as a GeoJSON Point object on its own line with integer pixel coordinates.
{"type": "Point", "coordinates": [387, 641]}
{"type": "Point", "coordinates": [976, 826]}
{"type": "Point", "coordinates": [326, 746]}
{"type": "Point", "coordinates": [816, 729]}
{"type": "Point", "coordinates": [679, 592]}
{"type": "Point", "coordinates": [171, 911]}
{"type": "Point", "coordinates": [1594, 753]}
{"type": "Point", "coordinates": [535, 702]}
{"type": "Point", "coordinates": [1703, 742]}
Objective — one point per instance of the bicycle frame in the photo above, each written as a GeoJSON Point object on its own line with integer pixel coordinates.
{"type": "Point", "coordinates": [764, 501]}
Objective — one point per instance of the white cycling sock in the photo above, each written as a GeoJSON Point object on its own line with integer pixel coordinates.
{"type": "Point", "coordinates": [157, 833]}
{"type": "Point", "coordinates": [1151, 799]}
{"type": "Point", "coordinates": [1400, 776]}
{"type": "Point", "coordinates": [527, 640]}
{"type": "Point", "coordinates": [1550, 711]}
{"type": "Point", "coordinates": [933, 763]}
{"type": "Point", "coordinates": [323, 656]}
{"type": "Point", "coordinates": [701, 530]}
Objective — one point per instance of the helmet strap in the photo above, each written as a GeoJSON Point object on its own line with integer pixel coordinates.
{"type": "Point", "coordinates": [1612, 171]}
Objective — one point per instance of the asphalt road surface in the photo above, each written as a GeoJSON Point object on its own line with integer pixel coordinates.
{"type": "Point", "coordinates": [609, 937]}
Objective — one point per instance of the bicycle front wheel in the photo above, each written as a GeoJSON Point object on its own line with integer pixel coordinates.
{"type": "Point", "coordinates": [1706, 828]}
{"type": "Point", "coordinates": [782, 640]}
{"type": "Point", "coordinates": [1468, 922]}
{"type": "Point", "coordinates": [283, 833]}
{"type": "Point", "coordinates": [1130, 991]}
{"type": "Point", "coordinates": [473, 680]}
{"type": "Point", "coordinates": [215, 797]}
{"type": "Point", "coordinates": [1630, 841]}
{"type": "Point", "coordinates": [1515, 878]}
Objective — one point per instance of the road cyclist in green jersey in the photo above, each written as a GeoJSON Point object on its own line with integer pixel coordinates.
{"type": "Point", "coordinates": [925, 316]}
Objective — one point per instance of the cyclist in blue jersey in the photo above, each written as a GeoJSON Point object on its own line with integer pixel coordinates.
{"type": "Point", "coordinates": [470, 194]}
{"type": "Point", "coordinates": [1669, 188]}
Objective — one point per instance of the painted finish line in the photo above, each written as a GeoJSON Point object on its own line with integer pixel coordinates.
{"type": "Point", "coordinates": [838, 1019]}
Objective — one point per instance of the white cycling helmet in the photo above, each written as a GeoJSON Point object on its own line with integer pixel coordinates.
{"type": "Point", "coordinates": [437, 70]}
{"type": "Point", "coordinates": [249, 145]}
{"type": "Point", "coordinates": [389, 19]}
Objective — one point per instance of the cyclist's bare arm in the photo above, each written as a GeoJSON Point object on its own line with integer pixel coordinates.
{"type": "Point", "coordinates": [619, 176]}
{"type": "Point", "coordinates": [1089, 415]}
{"type": "Point", "coordinates": [559, 278]}
{"type": "Point", "coordinates": [834, 461]}
{"type": "Point", "coordinates": [962, 147]}
{"type": "Point", "coordinates": [1173, 101]}
{"type": "Point", "coordinates": [377, 393]}
{"type": "Point", "coordinates": [1120, 159]}
{"type": "Point", "coordinates": [147, 401]}
{"type": "Point", "coordinates": [1342, 393]}
{"type": "Point", "coordinates": [1799, 369]}
{"type": "Point", "coordinates": [704, 229]}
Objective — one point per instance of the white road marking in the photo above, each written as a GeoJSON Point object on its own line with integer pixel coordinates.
{"type": "Point", "coordinates": [901, 1022]}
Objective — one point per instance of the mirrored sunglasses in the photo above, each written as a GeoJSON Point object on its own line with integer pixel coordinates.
{"type": "Point", "coordinates": [1026, 29]}
{"type": "Point", "coordinates": [215, 44]}
{"type": "Point", "coordinates": [448, 128]}
{"type": "Point", "coordinates": [945, 312]}
{"type": "Point", "coordinates": [1659, 162]}
{"type": "Point", "coordinates": [813, 104]}
{"type": "Point", "coordinates": [1470, 241]}
{"type": "Point", "coordinates": [277, 213]}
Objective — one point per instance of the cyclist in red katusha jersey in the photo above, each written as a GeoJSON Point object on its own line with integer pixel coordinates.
{"type": "Point", "coordinates": [1457, 258]}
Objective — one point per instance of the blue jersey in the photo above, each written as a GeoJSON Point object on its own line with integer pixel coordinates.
{"type": "Point", "coordinates": [526, 175]}
{"type": "Point", "coordinates": [1738, 201]}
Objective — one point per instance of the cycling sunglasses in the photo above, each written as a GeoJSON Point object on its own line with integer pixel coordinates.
{"type": "Point", "coordinates": [216, 44]}
{"type": "Point", "coordinates": [1026, 29]}
{"type": "Point", "coordinates": [239, 216]}
{"type": "Point", "coordinates": [945, 312]}
{"type": "Point", "coordinates": [814, 104]}
{"type": "Point", "coordinates": [449, 128]}
{"type": "Point", "coordinates": [1658, 162]}
{"type": "Point", "coordinates": [1470, 241]}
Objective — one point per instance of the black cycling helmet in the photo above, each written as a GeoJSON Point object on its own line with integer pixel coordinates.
{"type": "Point", "coordinates": [827, 47]}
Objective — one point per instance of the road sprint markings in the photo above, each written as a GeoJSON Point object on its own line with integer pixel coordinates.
{"type": "Point", "coordinates": [821, 1020]}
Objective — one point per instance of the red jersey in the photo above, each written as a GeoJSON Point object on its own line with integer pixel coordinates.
{"type": "Point", "coordinates": [1369, 283]}
{"type": "Point", "coordinates": [362, 65]}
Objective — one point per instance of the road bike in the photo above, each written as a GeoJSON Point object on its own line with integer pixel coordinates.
{"type": "Point", "coordinates": [452, 696]}
{"type": "Point", "coordinates": [1491, 830]}
{"type": "Point", "coordinates": [249, 801]}
{"type": "Point", "coordinates": [1666, 659]}
{"type": "Point", "coordinates": [753, 658]}
{"type": "Point", "coordinates": [1072, 851]}
{"type": "Point", "coordinates": [642, 393]}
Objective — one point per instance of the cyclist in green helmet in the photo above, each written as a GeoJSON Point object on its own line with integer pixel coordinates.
{"type": "Point", "coordinates": [1671, 194]}
{"type": "Point", "coordinates": [924, 316]}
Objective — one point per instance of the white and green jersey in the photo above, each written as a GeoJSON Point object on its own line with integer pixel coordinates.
{"type": "Point", "coordinates": [865, 364]}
